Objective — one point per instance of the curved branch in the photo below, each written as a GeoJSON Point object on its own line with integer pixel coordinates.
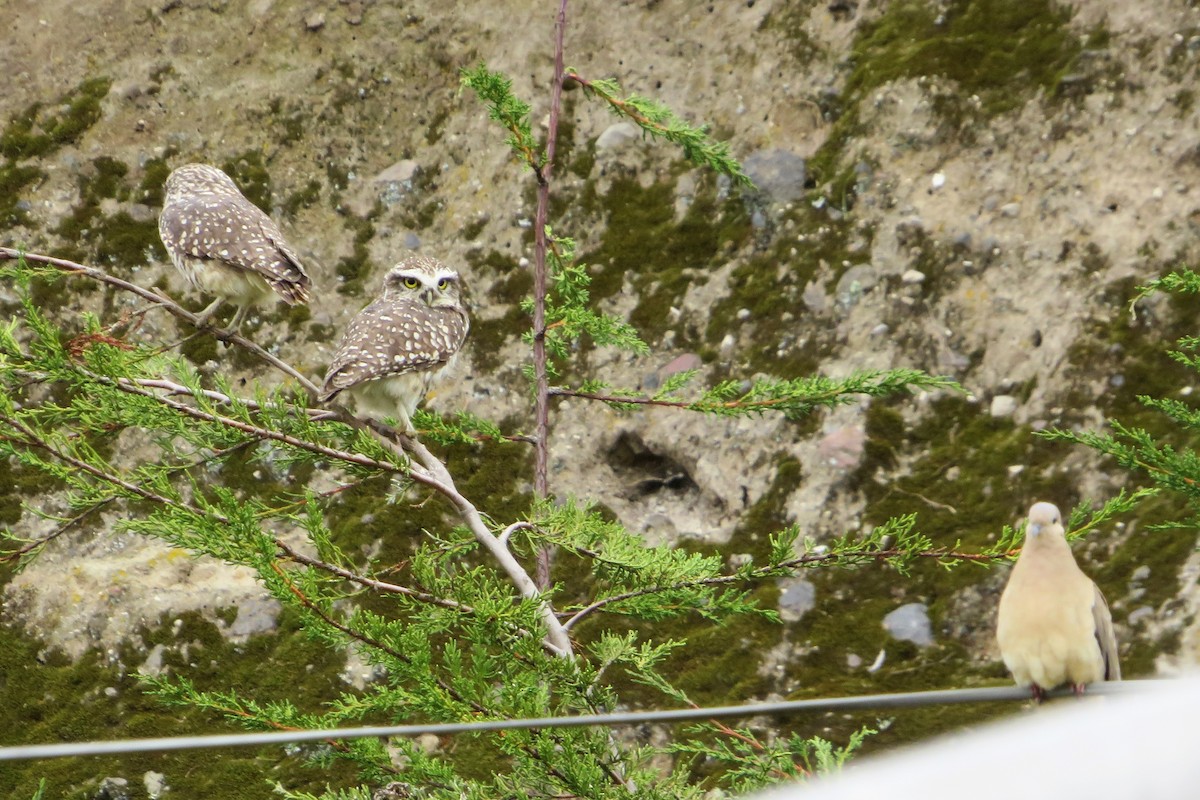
{"type": "Point", "coordinates": [557, 637]}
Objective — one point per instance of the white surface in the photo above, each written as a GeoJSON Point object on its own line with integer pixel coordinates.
{"type": "Point", "coordinates": [1135, 747]}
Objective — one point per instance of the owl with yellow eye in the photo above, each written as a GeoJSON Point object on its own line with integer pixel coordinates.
{"type": "Point", "coordinates": [393, 351]}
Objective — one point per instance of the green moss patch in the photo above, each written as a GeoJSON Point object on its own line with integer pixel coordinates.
{"type": "Point", "coordinates": [960, 482]}
{"type": "Point", "coordinates": [46, 699]}
{"type": "Point", "coordinates": [249, 172]}
{"type": "Point", "coordinates": [1001, 50]}
{"type": "Point", "coordinates": [43, 128]}
{"type": "Point", "coordinates": [662, 258]}
{"type": "Point", "coordinates": [512, 286]}
{"type": "Point", "coordinates": [116, 240]}
{"type": "Point", "coordinates": [988, 56]}
{"type": "Point", "coordinates": [770, 285]}
{"type": "Point", "coordinates": [353, 270]}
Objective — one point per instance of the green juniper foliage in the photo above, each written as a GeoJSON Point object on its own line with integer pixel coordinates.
{"type": "Point", "coordinates": [458, 631]}
{"type": "Point", "coordinates": [1171, 466]}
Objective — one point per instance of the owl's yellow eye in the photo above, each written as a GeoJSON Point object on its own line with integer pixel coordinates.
{"type": "Point", "coordinates": [411, 283]}
{"type": "Point", "coordinates": [444, 283]}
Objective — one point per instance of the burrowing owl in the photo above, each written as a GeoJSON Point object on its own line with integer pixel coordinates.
{"type": "Point", "coordinates": [392, 351]}
{"type": "Point", "coordinates": [224, 245]}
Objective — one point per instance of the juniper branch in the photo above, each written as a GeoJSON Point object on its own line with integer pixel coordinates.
{"type": "Point", "coordinates": [67, 525]}
{"type": "Point", "coordinates": [791, 397]}
{"type": "Point", "coordinates": [658, 120]}
{"type": "Point", "coordinates": [169, 305]}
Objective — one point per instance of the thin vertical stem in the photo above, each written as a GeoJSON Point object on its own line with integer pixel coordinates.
{"type": "Point", "coordinates": [541, 483]}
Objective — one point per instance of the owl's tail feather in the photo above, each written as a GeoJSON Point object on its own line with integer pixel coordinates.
{"type": "Point", "coordinates": [294, 292]}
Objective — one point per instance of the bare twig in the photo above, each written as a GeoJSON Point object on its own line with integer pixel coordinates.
{"type": "Point", "coordinates": [370, 583]}
{"type": "Point", "coordinates": [516, 526]}
{"type": "Point", "coordinates": [541, 485]}
{"type": "Point", "coordinates": [556, 634]}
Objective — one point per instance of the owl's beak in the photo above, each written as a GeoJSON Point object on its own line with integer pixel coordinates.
{"type": "Point", "coordinates": [427, 296]}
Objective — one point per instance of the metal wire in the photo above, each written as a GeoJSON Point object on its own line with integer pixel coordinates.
{"type": "Point", "coordinates": [860, 703]}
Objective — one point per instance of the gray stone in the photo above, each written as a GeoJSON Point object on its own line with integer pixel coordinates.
{"type": "Point", "coordinates": [256, 615]}
{"type": "Point", "coordinates": [778, 174]}
{"type": "Point", "coordinates": [1139, 614]}
{"type": "Point", "coordinates": [814, 297]}
{"type": "Point", "coordinates": [153, 664]}
{"type": "Point", "coordinates": [155, 783]}
{"type": "Point", "coordinates": [854, 283]}
{"type": "Point", "coordinates": [140, 212]}
{"type": "Point", "coordinates": [112, 789]}
{"type": "Point", "coordinates": [797, 597]}
{"type": "Point", "coordinates": [618, 135]}
{"type": "Point", "coordinates": [910, 623]}
{"type": "Point", "coordinates": [400, 172]}
{"type": "Point", "coordinates": [1003, 405]}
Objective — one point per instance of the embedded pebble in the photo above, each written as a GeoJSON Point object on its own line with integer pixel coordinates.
{"type": "Point", "coordinates": [843, 448]}
{"type": "Point", "coordinates": [155, 783]}
{"type": "Point", "coordinates": [778, 174]}
{"type": "Point", "coordinates": [797, 596]}
{"type": "Point", "coordinates": [617, 135]}
{"type": "Point", "coordinates": [910, 623]}
{"type": "Point", "coordinates": [1003, 405]}
{"type": "Point", "coordinates": [1139, 614]}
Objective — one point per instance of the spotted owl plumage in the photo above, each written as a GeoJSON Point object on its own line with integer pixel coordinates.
{"type": "Point", "coordinates": [224, 245]}
{"type": "Point", "coordinates": [398, 345]}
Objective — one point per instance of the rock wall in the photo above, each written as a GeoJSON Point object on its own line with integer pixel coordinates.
{"type": "Point", "coordinates": [971, 189]}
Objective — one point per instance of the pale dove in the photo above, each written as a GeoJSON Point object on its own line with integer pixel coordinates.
{"type": "Point", "coordinates": [1054, 626]}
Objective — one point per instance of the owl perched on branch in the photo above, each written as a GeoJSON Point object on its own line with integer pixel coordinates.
{"type": "Point", "coordinates": [225, 245]}
{"type": "Point", "coordinates": [393, 350]}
